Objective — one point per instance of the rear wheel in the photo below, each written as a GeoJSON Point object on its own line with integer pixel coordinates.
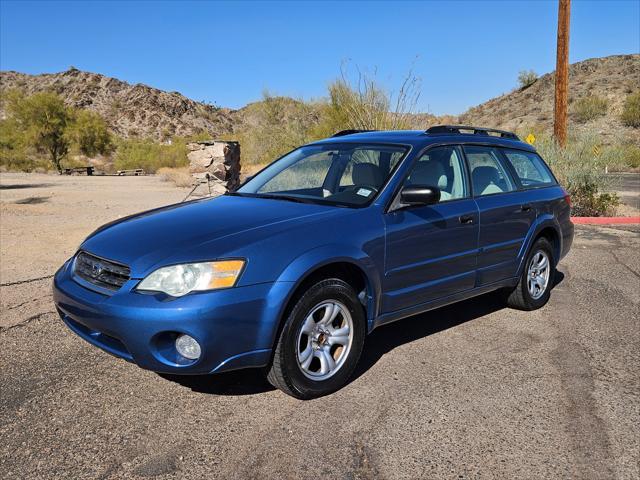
{"type": "Point", "coordinates": [534, 288]}
{"type": "Point", "coordinates": [321, 341]}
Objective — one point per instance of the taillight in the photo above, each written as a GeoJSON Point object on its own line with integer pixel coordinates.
{"type": "Point", "coordinates": [567, 197]}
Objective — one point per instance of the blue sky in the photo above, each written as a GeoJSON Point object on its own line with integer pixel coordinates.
{"type": "Point", "coordinates": [229, 52]}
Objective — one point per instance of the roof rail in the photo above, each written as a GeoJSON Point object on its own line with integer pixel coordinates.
{"type": "Point", "coordinates": [342, 133]}
{"type": "Point", "coordinates": [460, 130]}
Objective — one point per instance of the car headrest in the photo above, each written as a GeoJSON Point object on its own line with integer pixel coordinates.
{"type": "Point", "coordinates": [367, 174]}
{"type": "Point", "coordinates": [484, 176]}
{"type": "Point", "coordinates": [430, 173]}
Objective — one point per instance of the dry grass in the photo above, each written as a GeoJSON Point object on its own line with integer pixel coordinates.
{"type": "Point", "coordinates": [589, 108]}
{"type": "Point", "coordinates": [251, 169]}
{"type": "Point", "coordinates": [179, 176]}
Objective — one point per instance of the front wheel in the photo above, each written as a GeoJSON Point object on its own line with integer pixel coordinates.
{"type": "Point", "coordinates": [321, 341]}
{"type": "Point", "coordinates": [534, 288]}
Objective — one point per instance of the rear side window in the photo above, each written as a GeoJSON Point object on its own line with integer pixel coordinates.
{"type": "Point", "coordinates": [487, 174]}
{"type": "Point", "coordinates": [530, 168]}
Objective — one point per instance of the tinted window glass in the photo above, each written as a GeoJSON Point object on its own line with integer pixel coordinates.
{"type": "Point", "coordinates": [487, 174]}
{"type": "Point", "coordinates": [440, 167]}
{"type": "Point", "coordinates": [341, 174]}
{"type": "Point", "coordinates": [308, 172]}
{"type": "Point", "coordinates": [529, 167]}
{"type": "Point", "coordinates": [384, 161]}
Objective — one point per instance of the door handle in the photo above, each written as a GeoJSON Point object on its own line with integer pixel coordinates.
{"type": "Point", "coordinates": [526, 208]}
{"type": "Point", "coordinates": [465, 219]}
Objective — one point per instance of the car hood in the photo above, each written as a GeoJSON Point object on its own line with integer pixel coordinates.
{"type": "Point", "coordinates": [145, 240]}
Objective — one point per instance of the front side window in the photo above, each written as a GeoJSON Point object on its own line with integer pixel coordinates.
{"type": "Point", "coordinates": [487, 174]}
{"type": "Point", "coordinates": [382, 161]}
{"type": "Point", "coordinates": [340, 174]}
{"type": "Point", "coordinates": [529, 167]}
{"type": "Point", "coordinates": [440, 167]}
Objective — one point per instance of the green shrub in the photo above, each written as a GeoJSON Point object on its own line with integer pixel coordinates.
{"type": "Point", "coordinates": [581, 172]}
{"type": "Point", "coordinates": [631, 156]}
{"type": "Point", "coordinates": [136, 153]}
{"type": "Point", "coordinates": [631, 111]}
{"type": "Point", "coordinates": [526, 78]}
{"type": "Point", "coordinates": [589, 108]}
{"type": "Point", "coordinates": [361, 102]}
{"type": "Point", "coordinates": [621, 156]}
{"type": "Point", "coordinates": [274, 126]}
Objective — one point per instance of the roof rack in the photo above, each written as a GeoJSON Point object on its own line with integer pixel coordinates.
{"type": "Point", "coordinates": [342, 133]}
{"type": "Point", "coordinates": [464, 129]}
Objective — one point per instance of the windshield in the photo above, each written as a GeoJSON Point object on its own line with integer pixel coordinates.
{"type": "Point", "coordinates": [339, 174]}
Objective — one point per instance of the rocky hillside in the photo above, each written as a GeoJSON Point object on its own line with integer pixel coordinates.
{"type": "Point", "coordinates": [139, 110]}
{"type": "Point", "coordinates": [531, 108]}
{"type": "Point", "coordinates": [130, 110]}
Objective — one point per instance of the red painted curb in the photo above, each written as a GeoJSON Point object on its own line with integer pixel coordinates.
{"type": "Point", "coordinates": [604, 220]}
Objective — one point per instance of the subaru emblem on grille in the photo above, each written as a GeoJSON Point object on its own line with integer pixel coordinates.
{"type": "Point", "coordinates": [96, 270]}
{"type": "Point", "coordinates": [100, 272]}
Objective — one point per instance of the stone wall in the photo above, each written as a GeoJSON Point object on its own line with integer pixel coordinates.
{"type": "Point", "coordinates": [216, 160]}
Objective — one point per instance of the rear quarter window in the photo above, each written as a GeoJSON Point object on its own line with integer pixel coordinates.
{"type": "Point", "coordinates": [530, 168]}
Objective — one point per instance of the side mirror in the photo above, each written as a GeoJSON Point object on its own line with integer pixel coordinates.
{"type": "Point", "coordinates": [419, 195]}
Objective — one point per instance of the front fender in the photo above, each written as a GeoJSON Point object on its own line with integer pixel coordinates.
{"type": "Point", "coordinates": [304, 265]}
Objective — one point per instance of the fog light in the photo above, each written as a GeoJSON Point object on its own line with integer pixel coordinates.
{"type": "Point", "coordinates": [188, 347]}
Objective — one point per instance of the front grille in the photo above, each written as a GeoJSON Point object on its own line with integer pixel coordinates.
{"type": "Point", "coordinates": [101, 272]}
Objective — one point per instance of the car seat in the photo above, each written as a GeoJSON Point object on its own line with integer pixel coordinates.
{"type": "Point", "coordinates": [486, 180]}
{"type": "Point", "coordinates": [431, 173]}
{"type": "Point", "coordinates": [367, 174]}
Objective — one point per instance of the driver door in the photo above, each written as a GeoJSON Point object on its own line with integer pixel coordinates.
{"type": "Point", "coordinates": [431, 250]}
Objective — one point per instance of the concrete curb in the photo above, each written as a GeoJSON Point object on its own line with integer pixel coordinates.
{"type": "Point", "coordinates": [605, 220]}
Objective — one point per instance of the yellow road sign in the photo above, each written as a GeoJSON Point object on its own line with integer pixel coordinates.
{"type": "Point", "coordinates": [596, 150]}
{"type": "Point", "coordinates": [531, 138]}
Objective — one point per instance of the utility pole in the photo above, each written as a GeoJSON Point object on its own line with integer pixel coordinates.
{"type": "Point", "coordinates": [562, 74]}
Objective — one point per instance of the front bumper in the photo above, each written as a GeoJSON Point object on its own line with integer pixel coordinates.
{"type": "Point", "coordinates": [235, 327]}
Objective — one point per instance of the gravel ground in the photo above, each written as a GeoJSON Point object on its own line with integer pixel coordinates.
{"type": "Point", "coordinates": [45, 217]}
{"type": "Point", "coordinates": [468, 391]}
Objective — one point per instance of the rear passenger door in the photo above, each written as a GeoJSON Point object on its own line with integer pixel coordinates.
{"type": "Point", "coordinates": [506, 214]}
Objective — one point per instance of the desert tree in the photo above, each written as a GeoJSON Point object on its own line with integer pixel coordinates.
{"type": "Point", "coordinates": [43, 119]}
{"type": "Point", "coordinates": [90, 133]}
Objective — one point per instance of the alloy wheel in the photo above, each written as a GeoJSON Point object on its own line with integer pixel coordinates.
{"type": "Point", "coordinates": [538, 274]}
{"type": "Point", "coordinates": [324, 340]}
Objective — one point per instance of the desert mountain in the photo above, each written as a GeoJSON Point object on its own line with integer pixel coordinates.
{"type": "Point", "coordinates": [612, 78]}
{"type": "Point", "coordinates": [140, 110]}
{"type": "Point", "coordinates": [130, 110]}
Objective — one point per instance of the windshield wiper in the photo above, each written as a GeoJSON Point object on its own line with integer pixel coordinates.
{"type": "Point", "coordinates": [285, 197]}
{"type": "Point", "coordinates": [272, 196]}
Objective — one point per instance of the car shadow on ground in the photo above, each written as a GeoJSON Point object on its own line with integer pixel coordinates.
{"type": "Point", "coordinates": [378, 343]}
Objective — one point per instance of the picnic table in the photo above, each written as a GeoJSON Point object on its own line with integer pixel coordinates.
{"type": "Point", "coordinates": [133, 171]}
{"type": "Point", "coordinates": [88, 170]}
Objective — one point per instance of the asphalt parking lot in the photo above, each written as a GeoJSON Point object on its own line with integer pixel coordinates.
{"type": "Point", "coordinates": [473, 390]}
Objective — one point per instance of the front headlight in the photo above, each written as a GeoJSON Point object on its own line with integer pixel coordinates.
{"type": "Point", "coordinates": [178, 280]}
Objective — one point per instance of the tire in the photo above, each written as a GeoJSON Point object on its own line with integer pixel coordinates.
{"type": "Point", "coordinates": [311, 324]}
{"type": "Point", "coordinates": [522, 297]}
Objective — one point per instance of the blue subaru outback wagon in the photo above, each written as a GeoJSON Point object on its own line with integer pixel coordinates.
{"type": "Point", "coordinates": [292, 271]}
